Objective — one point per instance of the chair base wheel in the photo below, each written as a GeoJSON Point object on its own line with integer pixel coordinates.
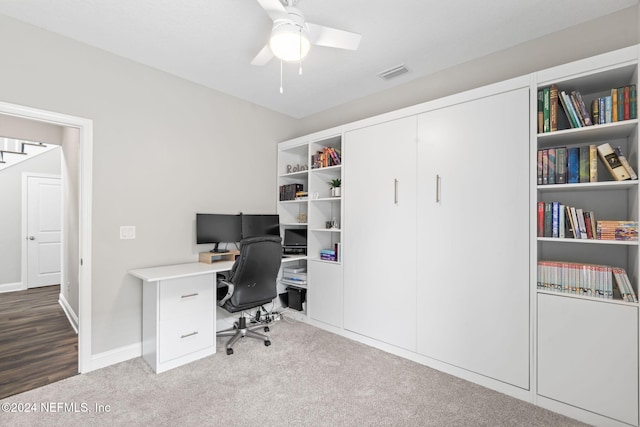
{"type": "Point", "coordinates": [266, 329]}
{"type": "Point", "coordinates": [267, 343]}
{"type": "Point", "coordinates": [229, 351]}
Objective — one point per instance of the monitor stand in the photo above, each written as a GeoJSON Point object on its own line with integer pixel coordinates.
{"type": "Point", "coordinates": [217, 250]}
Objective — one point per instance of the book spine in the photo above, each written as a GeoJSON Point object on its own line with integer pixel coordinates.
{"type": "Point", "coordinates": [548, 219]}
{"type": "Point", "coordinates": [621, 103]}
{"type": "Point", "coordinates": [612, 162]}
{"type": "Point", "coordinates": [601, 109]}
{"type": "Point", "coordinates": [555, 219]}
{"type": "Point", "coordinates": [553, 108]}
{"type": "Point", "coordinates": [593, 163]}
{"type": "Point", "coordinates": [625, 162]}
{"type": "Point", "coordinates": [561, 165]}
{"type": "Point", "coordinates": [626, 115]}
{"type": "Point", "coordinates": [607, 109]}
{"type": "Point", "coordinates": [539, 167]}
{"type": "Point", "coordinates": [633, 102]}
{"type": "Point", "coordinates": [545, 167]}
{"type": "Point", "coordinates": [573, 165]}
{"type": "Point", "coordinates": [614, 105]}
{"type": "Point", "coordinates": [552, 165]}
{"type": "Point", "coordinates": [595, 111]}
{"type": "Point", "coordinates": [584, 164]}
{"type": "Point", "coordinates": [583, 109]}
{"type": "Point", "coordinates": [540, 219]}
{"type": "Point", "coordinates": [540, 111]}
{"type": "Point", "coordinates": [546, 122]}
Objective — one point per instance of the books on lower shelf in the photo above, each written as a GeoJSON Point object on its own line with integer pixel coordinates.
{"type": "Point", "coordinates": [617, 230]}
{"type": "Point", "coordinates": [585, 279]}
{"type": "Point", "coordinates": [331, 254]}
{"type": "Point", "coordinates": [561, 221]}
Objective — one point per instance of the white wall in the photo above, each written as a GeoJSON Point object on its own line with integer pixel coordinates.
{"type": "Point", "coordinates": [611, 32]}
{"type": "Point", "coordinates": [164, 149]}
{"type": "Point", "coordinates": [11, 211]}
{"type": "Point", "coordinates": [71, 217]}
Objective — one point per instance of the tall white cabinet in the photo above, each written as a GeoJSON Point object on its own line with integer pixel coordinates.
{"type": "Point", "coordinates": [473, 203]}
{"type": "Point", "coordinates": [380, 239]}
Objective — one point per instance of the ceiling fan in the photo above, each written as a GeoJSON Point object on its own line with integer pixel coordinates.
{"type": "Point", "coordinates": [292, 37]}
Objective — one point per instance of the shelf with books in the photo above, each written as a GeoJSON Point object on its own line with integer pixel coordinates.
{"type": "Point", "coordinates": [588, 241]}
{"type": "Point", "coordinates": [588, 186]}
{"type": "Point", "coordinates": [326, 153]}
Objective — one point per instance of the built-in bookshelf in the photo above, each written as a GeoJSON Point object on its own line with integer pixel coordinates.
{"type": "Point", "coordinates": [310, 197]}
{"type": "Point", "coordinates": [587, 259]}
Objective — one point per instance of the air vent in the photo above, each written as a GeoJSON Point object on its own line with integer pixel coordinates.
{"type": "Point", "coordinates": [393, 72]}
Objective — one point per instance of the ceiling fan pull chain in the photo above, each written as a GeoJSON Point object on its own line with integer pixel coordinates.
{"type": "Point", "coordinates": [281, 91]}
{"type": "Point", "coordinates": [300, 45]}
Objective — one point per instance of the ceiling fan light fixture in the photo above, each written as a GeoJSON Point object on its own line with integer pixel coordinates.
{"type": "Point", "coordinates": [289, 42]}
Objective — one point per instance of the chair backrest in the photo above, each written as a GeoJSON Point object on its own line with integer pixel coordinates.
{"type": "Point", "coordinates": [254, 273]}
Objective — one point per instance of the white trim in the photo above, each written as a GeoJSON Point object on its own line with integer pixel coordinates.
{"type": "Point", "coordinates": [10, 287]}
{"type": "Point", "coordinates": [71, 315]}
{"type": "Point", "coordinates": [118, 355]}
{"type": "Point", "coordinates": [23, 215]}
{"type": "Point", "coordinates": [85, 127]}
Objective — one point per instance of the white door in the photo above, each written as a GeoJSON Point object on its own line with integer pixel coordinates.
{"type": "Point", "coordinates": [44, 231]}
{"type": "Point", "coordinates": [380, 219]}
{"type": "Point", "coordinates": [473, 234]}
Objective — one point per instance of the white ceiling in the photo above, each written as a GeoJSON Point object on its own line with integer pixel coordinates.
{"type": "Point", "coordinates": [212, 42]}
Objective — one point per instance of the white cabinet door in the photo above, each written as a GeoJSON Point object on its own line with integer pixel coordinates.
{"type": "Point", "coordinates": [325, 292]}
{"type": "Point", "coordinates": [473, 236]}
{"type": "Point", "coordinates": [588, 355]}
{"type": "Point", "coordinates": [379, 232]}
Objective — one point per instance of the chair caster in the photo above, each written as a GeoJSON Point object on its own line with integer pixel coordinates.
{"type": "Point", "coordinates": [267, 343]}
{"type": "Point", "coordinates": [229, 351]}
{"type": "Point", "coordinates": [266, 329]}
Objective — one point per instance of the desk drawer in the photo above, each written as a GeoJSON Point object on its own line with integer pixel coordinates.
{"type": "Point", "coordinates": [180, 298]}
{"type": "Point", "coordinates": [183, 336]}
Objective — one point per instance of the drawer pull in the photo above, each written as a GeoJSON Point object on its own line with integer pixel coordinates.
{"type": "Point", "coordinates": [189, 335]}
{"type": "Point", "coordinates": [190, 295]}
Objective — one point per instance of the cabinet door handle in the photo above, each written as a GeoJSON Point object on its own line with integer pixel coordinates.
{"type": "Point", "coordinates": [189, 335]}
{"type": "Point", "coordinates": [190, 295]}
{"type": "Point", "coordinates": [395, 191]}
{"type": "Point", "coordinates": [437, 188]}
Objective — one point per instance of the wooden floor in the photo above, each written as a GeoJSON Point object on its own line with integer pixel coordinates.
{"type": "Point", "coordinates": [38, 346]}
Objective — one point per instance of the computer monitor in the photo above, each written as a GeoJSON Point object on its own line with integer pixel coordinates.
{"type": "Point", "coordinates": [260, 225]}
{"type": "Point", "coordinates": [295, 238]}
{"type": "Point", "coordinates": [218, 228]}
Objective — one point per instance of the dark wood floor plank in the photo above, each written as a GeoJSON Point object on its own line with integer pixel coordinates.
{"type": "Point", "coordinates": [38, 346]}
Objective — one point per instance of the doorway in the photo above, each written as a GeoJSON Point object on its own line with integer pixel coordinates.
{"type": "Point", "coordinates": [43, 239]}
{"type": "Point", "coordinates": [84, 129]}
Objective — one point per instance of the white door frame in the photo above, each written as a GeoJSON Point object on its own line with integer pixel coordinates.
{"type": "Point", "coordinates": [85, 173]}
{"type": "Point", "coordinates": [25, 228]}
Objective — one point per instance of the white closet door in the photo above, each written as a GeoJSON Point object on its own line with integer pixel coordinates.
{"type": "Point", "coordinates": [379, 226]}
{"type": "Point", "coordinates": [473, 229]}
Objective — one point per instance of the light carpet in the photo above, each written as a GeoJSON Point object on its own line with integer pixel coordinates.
{"type": "Point", "coordinates": [307, 377]}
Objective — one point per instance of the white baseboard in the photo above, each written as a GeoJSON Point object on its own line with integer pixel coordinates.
{"type": "Point", "coordinates": [71, 315]}
{"type": "Point", "coordinates": [11, 287]}
{"type": "Point", "coordinates": [111, 357]}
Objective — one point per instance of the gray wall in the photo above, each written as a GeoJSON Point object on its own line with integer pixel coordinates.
{"type": "Point", "coordinates": [11, 211]}
{"type": "Point", "coordinates": [164, 149]}
{"type": "Point", "coordinates": [611, 32]}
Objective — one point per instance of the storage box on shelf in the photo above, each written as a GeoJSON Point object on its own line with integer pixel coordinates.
{"type": "Point", "coordinates": [582, 268]}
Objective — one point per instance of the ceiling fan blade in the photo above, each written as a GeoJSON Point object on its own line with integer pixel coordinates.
{"type": "Point", "coordinates": [263, 56]}
{"type": "Point", "coordinates": [332, 37]}
{"type": "Point", "coordinates": [274, 9]}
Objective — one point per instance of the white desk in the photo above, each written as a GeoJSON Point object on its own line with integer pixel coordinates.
{"type": "Point", "coordinates": [179, 312]}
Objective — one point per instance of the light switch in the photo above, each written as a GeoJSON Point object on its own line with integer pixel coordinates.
{"type": "Point", "coordinates": [127, 232]}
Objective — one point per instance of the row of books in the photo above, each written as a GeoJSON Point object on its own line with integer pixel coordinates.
{"type": "Point", "coordinates": [326, 157]}
{"type": "Point", "coordinates": [585, 279]}
{"type": "Point", "coordinates": [331, 254]}
{"type": "Point", "coordinates": [561, 221]}
{"type": "Point", "coordinates": [617, 230]}
{"type": "Point", "coordinates": [291, 191]}
{"type": "Point", "coordinates": [571, 165]}
{"type": "Point", "coordinates": [620, 105]}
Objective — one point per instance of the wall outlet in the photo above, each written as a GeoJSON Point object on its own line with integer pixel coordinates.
{"type": "Point", "coordinates": [127, 232]}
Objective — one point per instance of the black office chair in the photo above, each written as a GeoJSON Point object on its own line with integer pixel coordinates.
{"type": "Point", "coordinates": [251, 283]}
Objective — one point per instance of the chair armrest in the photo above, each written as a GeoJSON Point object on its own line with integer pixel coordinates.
{"type": "Point", "coordinates": [230, 287]}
